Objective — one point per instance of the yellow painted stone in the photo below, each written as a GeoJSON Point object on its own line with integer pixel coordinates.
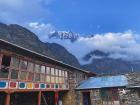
{"type": "Point", "coordinates": [29, 85]}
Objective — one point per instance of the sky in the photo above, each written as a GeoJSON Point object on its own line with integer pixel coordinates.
{"type": "Point", "coordinates": [80, 16]}
{"type": "Point", "coordinates": [114, 23]}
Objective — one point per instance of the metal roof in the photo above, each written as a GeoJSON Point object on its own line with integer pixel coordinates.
{"type": "Point", "coordinates": [41, 55]}
{"type": "Point", "coordinates": [104, 82]}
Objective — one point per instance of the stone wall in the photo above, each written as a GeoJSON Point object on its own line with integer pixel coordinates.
{"type": "Point", "coordinates": [126, 97]}
{"type": "Point", "coordinates": [131, 97]}
{"type": "Point", "coordinates": [73, 97]}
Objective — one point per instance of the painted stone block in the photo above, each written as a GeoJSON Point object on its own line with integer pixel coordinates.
{"type": "Point", "coordinates": [29, 85]}
{"type": "Point", "coordinates": [13, 85]}
{"type": "Point", "coordinates": [3, 84]}
{"type": "Point", "coordinates": [22, 85]}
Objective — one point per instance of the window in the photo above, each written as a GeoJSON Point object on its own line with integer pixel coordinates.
{"type": "Point", "coordinates": [63, 73]}
{"type": "Point", "coordinates": [30, 67]}
{"type": "Point", "coordinates": [37, 68]}
{"type": "Point", "coordinates": [42, 78]}
{"type": "Point", "coordinates": [57, 79]}
{"type": "Point", "coordinates": [6, 60]}
{"type": "Point", "coordinates": [60, 80]}
{"type": "Point", "coordinates": [65, 80]}
{"type": "Point", "coordinates": [48, 70]}
{"type": "Point", "coordinates": [48, 79]}
{"type": "Point", "coordinates": [4, 71]}
{"type": "Point", "coordinates": [37, 77]}
{"type": "Point", "coordinates": [66, 74]}
{"type": "Point", "coordinates": [43, 69]}
{"type": "Point", "coordinates": [52, 79]}
{"type": "Point", "coordinates": [30, 76]}
{"type": "Point", "coordinates": [15, 62]}
{"type": "Point", "coordinates": [14, 74]}
{"type": "Point", "coordinates": [52, 71]}
{"type": "Point", "coordinates": [23, 65]}
{"type": "Point", "coordinates": [60, 73]}
{"type": "Point", "coordinates": [23, 75]}
{"type": "Point", "coordinates": [56, 72]}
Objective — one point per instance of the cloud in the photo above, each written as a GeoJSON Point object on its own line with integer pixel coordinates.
{"type": "Point", "coordinates": [123, 45]}
{"type": "Point", "coordinates": [24, 11]}
{"type": "Point", "coordinates": [31, 13]}
{"type": "Point", "coordinates": [41, 29]}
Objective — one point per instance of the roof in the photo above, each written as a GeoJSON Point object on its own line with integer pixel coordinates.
{"type": "Point", "coordinates": [103, 82]}
{"type": "Point", "coordinates": [41, 55]}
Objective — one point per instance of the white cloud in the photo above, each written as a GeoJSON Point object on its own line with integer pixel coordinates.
{"type": "Point", "coordinates": [41, 29]}
{"type": "Point", "coordinates": [120, 45]}
{"type": "Point", "coordinates": [23, 11]}
{"type": "Point", "coordinates": [11, 3]}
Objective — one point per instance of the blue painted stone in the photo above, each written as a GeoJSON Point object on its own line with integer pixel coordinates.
{"type": "Point", "coordinates": [42, 86]}
{"type": "Point", "coordinates": [56, 86]}
{"type": "Point", "coordinates": [2, 84]}
{"type": "Point", "coordinates": [22, 85]}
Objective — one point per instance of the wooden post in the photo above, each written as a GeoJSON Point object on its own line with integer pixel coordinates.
{"type": "Point", "coordinates": [56, 98]}
{"type": "Point", "coordinates": [7, 101]}
{"type": "Point", "coordinates": [39, 98]}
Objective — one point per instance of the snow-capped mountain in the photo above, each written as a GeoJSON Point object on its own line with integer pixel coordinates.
{"type": "Point", "coordinates": [64, 35]}
{"type": "Point", "coordinates": [100, 59]}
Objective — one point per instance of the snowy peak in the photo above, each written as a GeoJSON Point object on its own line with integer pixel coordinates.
{"type": "Point", "coordinates": [64, 35]}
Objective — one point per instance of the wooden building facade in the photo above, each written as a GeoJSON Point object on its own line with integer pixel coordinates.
{"type": "Point", "coordinates": [29, 78]}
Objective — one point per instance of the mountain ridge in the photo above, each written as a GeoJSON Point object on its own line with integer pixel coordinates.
{"type": "Point", "coordinates": [25, 38]}
{"type": "Point", "coordinates": [99, 60]}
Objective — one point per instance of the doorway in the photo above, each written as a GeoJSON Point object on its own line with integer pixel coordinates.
{"type": "Point", "coordinates": [2, 98]}
{"type": "Point", "coordinates": [86, 98]}
{"type": "Point", "coordinates": [48, 98]}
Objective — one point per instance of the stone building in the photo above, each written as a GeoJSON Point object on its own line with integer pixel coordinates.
{"type": "Point", "coordinates": [102, 90]}
{"type": "Point", "coordinates": [30, 78]}
{"type": "Point", "coordinates": [111, 90]}
{"type": "Point", "coordinates": [132, 91]}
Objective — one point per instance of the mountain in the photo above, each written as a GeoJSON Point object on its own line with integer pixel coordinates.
{"type": "Point", "coordinates": [25, 38]}
{"type": "Point", "coordinates": [101, 63]}
{"type": "Point", "coordinates": [63, 35]}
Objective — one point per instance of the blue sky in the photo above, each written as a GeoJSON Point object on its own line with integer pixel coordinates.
{"type": "Point", "coordinates": [80, 16]}
{"type": "Point", "coordinates": [115, 24]}
{"type": "Point", "coordinates": [96, 16]}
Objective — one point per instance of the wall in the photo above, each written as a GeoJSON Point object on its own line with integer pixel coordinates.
{"type": "Point", "coordinates": [73, 97]}
{"type": "Point", "coordinates": [130, 97]}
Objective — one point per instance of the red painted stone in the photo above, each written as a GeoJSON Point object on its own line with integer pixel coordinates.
{"type": "Point", "coordinates": [52, 86]}
{"type": "Point", "coordinates": [13, 84]}
{"type": "Point", "coordinates": [36, 85]}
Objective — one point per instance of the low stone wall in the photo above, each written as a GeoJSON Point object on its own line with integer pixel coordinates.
{"type": "Point", "coordinates": [126, 97]}
{"type": "Point", "coordinates": [131, 97]}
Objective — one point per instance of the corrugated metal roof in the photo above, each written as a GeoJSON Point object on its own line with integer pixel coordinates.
{"type": "Point", "coordinates": [104, 82]}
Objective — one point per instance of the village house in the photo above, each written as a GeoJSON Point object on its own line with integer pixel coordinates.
{"type": "Point", "coordinates": [30, 78]}
{"type": "Point", "coordinates": [111, 90]}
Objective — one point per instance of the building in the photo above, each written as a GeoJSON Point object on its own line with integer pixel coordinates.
{"type": "Point", "coordinates": [29, 78]}
{"type": "Point", "coordinates": [111, 90]}
{"type": "Point", "coordinates": [103, 90]}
